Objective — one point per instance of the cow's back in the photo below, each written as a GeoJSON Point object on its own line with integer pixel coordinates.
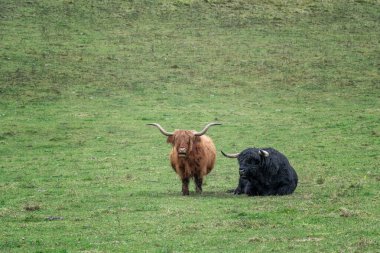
{"type": "Point", "coordinates": [286, 175]}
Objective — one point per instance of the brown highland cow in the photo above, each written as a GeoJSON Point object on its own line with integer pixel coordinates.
{"type": "Point", "coordinates": [192, 156]}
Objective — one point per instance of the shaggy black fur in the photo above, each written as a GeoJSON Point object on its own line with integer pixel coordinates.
{"type": "Point", "coordinates": [262, 175]}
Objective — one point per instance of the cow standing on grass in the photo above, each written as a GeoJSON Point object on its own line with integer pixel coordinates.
{"type": "Point", "coordinates": [264, 172]}
{"type": "Point", "coordinates": [192, 156]}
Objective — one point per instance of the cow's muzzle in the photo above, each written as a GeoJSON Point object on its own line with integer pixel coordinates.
{"type": "Point", "coordinates": [182, 152]}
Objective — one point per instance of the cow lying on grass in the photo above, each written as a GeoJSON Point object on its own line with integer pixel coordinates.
{"type": "Point", "coordinates": [192, 156]}
{"type": "Point", "coordinates": [264, 172]}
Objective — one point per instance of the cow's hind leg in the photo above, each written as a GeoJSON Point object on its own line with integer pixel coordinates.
{"type": "Point", "coordinates": [285, 189]}
{"type": "Point", "coordinates": [198, 184]}
{"type": "Point", "coordinates": [286, 185]}
{"type": "Point", "coordinates": [185, 186]}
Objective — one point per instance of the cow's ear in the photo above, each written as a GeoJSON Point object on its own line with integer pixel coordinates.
{"type": "Point", "coordinates": [170, 139]}
{"type": "Point", "coordinates": [263, 153]}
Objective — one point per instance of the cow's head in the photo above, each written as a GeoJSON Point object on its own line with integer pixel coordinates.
{"type": "Point", "coordinates": [250, 161]}
{"type": "Point", "coordinates": [183, 140]}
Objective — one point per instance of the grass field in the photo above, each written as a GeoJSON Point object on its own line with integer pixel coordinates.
{"type": "Point", "coordinates": [79, 80]}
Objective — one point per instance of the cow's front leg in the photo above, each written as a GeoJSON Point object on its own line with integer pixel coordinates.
{"type": "Point", "coordinates": [198, 184]}
{"type": "Point", "coordinates": [185, 186]}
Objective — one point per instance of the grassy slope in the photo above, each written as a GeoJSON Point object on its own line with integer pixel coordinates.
{"type": "Point", "coordinates": [80, 79]}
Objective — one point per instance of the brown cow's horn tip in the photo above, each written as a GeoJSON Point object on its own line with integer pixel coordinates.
{"type": "Point", "coordinates": [162, 130]}
{"type": "Point", "coordinates": [206, 128]}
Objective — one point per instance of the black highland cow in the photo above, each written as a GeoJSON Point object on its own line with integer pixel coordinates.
{"type": "Point", "coordinates": [264, 172]}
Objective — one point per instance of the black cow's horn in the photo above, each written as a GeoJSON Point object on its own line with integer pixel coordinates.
{"type": "Point", "coordinates": [206, 128]}
{"type": "Point", "coordinates": [231, 155]}
{"type": "Point", "coordinates": [162, 130]}
{"type": "Point", "coordinates": [262, 152]}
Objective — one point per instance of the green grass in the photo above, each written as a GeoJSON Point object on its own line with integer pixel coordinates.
{"type": "Point", "coordinates": [79, 80]}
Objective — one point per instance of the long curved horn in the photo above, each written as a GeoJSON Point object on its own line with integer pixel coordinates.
{"type": "Point", "coordinates": [230, 155]}
{"type": "Point", "coordinates": [162, 130]}
{"type": "Point", "coordinates": [206, 128]}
